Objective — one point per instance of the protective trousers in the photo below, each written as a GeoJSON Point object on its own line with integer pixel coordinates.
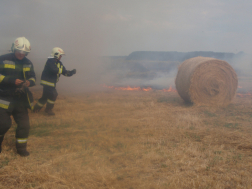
{"type": "Point", "coordinates": [49, 96]}
{"type": "Point", "coordinates": [20, 115]}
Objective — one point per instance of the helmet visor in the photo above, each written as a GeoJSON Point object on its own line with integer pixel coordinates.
{"type": "Point", "coordinates": [23, 48]}
{"type": "Point", "coordinates": [22, 52]}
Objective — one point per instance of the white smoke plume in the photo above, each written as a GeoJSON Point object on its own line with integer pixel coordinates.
{"type": "Point", "coordinates": [88, 30]}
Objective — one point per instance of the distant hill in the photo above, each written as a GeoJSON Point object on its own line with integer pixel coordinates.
{"type": "Point", "coordinates": [179, 56]}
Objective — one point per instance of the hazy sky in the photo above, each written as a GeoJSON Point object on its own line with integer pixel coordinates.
{"type": "Point", "coordinates": [119, 27]}
{"type": "Point", "coordinates": [86, 28]}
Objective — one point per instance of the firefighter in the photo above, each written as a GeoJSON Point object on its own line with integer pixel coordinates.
{"type": "Point", "coordinates": [50, 76]}
{"type": "Point", "coordinates": [16, 75]}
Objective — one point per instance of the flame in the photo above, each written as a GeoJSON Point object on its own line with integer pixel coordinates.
{"type": "Point", "coordinates": [128, 88]}
{"type": "Point", "coordinates": [169, 90]}
{"type": "Point", "coordinates": [243, 95]}
{"type": "Point", "coordinates": [147, 89]}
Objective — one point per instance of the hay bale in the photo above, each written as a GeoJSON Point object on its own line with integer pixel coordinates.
{"type": "Point", "coordinates": [206, 81]}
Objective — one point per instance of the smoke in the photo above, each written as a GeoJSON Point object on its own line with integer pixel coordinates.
{"type": "Point", "coordinates": [75, 27]}
{"type": "Point", "coordinates": [121, 72]}
{"type": "Point", "coordinates": [158, 70]}
{"type": "Point", "coordinates": [243, 67]}
{"type": "Point", "coordinates": [89, 30]}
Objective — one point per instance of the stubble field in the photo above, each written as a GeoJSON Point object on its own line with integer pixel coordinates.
{"type": "Point", "coordinates": [133, 139]}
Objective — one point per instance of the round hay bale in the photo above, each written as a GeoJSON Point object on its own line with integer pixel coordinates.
{"type": "Point", "coordinates": [206, 81]}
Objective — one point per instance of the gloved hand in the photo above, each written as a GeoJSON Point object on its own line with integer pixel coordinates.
{"type": "Point", "coordinates": [26, 84]}
{"type": "Point", "coordinates": [74, 71]}
{"type": "Point", "coordinates": [18, 82]}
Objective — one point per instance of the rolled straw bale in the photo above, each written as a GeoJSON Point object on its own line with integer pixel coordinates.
{"type": "Point", "coordinates": [206, 81]}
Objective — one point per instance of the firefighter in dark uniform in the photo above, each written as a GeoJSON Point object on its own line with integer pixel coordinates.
{"type": "Point", "coordinates": [16, 75]}
{"type": "Point", "coordinates": [50, 76]}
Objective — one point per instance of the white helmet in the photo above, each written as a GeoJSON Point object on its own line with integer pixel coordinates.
{"type": "Point", "coordinates": [57, 52]}
{"type": "Point", "coordinates": [21, 44]}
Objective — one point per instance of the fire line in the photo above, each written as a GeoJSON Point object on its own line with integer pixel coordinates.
{"type": "Point", "coordinates": [128, 88]}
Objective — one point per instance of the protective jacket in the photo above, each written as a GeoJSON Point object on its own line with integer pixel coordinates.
{"type": "Point", "coordinates": [52, 71]}
{"type": "Point", "coordinates": [11, 69]}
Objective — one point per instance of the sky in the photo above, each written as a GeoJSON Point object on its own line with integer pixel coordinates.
{"type": "Point", "coordinates": [119, 27]}
{"type": "Point", "coordinates": [88, 28]}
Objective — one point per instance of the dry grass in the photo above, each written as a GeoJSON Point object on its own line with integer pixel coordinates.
{"type": "Point", "coordinates": [133, 140]}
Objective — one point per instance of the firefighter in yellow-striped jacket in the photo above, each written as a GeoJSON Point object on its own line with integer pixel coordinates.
{"type": "Point", "coordinates": [50, 76]}
{"type": "Point", "coordinates": [16, 75]}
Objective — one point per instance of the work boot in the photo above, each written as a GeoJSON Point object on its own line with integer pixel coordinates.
{"type": "Point", "coordinates": [21, 149]}
{"type": "Point", "coordinates": [49, 112]}
{"type": "Point", "coordinates": [36, 108]}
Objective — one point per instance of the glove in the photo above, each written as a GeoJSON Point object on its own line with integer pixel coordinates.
{"type": "Point", "coordinates": [74, 71]}
{"type": "Point", "coordinates": [19, 92]}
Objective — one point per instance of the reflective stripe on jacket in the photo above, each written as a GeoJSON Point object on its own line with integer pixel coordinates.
{"type": "Point", "coordinates": [11, 69]}
{"type": "Point", "coordinates": [52, 71]}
